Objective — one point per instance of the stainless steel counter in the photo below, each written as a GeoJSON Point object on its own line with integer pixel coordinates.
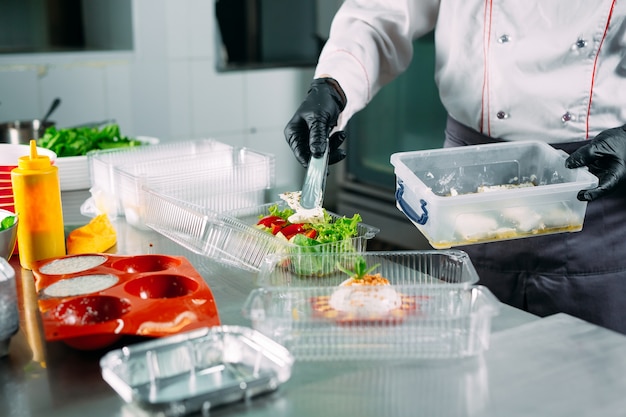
{"type": "Point", "coordinates": [556, 366]}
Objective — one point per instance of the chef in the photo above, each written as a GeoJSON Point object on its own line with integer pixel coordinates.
{"type": "Point", "coordinates": [553, 71]}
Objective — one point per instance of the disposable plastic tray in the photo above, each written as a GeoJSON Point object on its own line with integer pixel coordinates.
{"type": "Point", "coordinates": [102, 164]}
{"type": "Point", "coordinates": [430, 322]}
{"type": "Point", "coordinates": [446, 268]}
{"type": "Point", "coordinates": [230, 237]}
{"type": "Point", "coordinates": [223, 180]}
{"type": "Point", "coordinates": [90, 301]}
{"type": "Point", "coordinates": [528, 192]}
{"type": "Point", "coordinates": [197, 370]}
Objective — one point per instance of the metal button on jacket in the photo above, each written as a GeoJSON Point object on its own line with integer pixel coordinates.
{"type": "Point", "coordinates": [504, 38]}
{"type": "Point", "coordinates": [580, 43]}
{"type": "Point", "coordinates": [567, 116]}
{"type": "Point", "coordinates": [502, 115]}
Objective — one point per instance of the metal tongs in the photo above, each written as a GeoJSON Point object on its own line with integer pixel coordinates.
{"type": "Point", "coordinates": [315, 181]}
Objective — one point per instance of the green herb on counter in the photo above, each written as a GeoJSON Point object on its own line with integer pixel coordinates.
{"type": "Point", "coordinates": [78, 141]}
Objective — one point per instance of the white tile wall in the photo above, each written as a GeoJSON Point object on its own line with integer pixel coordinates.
{"type": "Point", "coordinates": [166, 87]}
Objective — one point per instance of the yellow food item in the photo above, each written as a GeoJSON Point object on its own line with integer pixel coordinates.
{"type": "Point", "coordinates": [96, 236]}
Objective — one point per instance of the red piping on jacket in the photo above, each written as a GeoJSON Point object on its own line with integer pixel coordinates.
{"type": "Point", "coordinates": [595, 64]}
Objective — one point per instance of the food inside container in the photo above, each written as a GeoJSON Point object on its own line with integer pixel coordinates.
{"type": "Point", "coordinates": [90, 301]}
{"type": "Point", "coordinates": [197, 371]}
{"type": "Point", "coordinates": [430, 322]}
{"type": "Point", "coordinates": [485, 193]}
{"type": "Point", "coordinates": [399, 304]}
{"type": "Point", "coordinates": [233, 237]}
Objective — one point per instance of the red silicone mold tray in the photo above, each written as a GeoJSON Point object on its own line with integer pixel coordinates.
{"type": "Point", "coordinates": [90, 301]}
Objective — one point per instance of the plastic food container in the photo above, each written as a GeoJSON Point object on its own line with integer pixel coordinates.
{"type": "Point", "coordinates": [104, 178]}
{"type": "Point", "coordinates": [224, 180]}
{"type": "Point", "coordinates": [428, 322]}
{"type": "Point", "coordinates": [230, 237]}
{"type": "Point", "coordinates": [446, 268]}
{"type": "Point", "coordinates": [197, 371]}
{"type": "Point", "coordinates": [485, 193]}
{"type": "Point", "coordinates": [90, 301]}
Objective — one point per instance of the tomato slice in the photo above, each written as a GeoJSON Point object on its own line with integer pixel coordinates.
{"type": "Point", "coordinates": [267, 221]}
{"type": "Point", "coordinates": [277, 227]}
{"type": "Point", "coordinates": [311, 233]}
{"type": "Point", "coordinates": [292, 229]}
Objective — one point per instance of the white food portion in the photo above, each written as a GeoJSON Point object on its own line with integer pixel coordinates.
{"type": "Point", "coordinates": [72, 264]}
{"type": "Point", "coordinates": [525, 219]}
{"type": "Point", "coordinates": [301, 215]}
{"type": "Point", "coordinates": [86, 284]}
{"type": "Point", "coordinates": [472, 226]}
{"type": "Point", "coordinates": [365, 299]}
{"type": "Point", "coordinates": [488, 188]}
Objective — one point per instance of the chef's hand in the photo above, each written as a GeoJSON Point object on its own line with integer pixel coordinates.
{"type": "Point", "coordinates": [308, 129]}
{"type": "Point", "coordinates": [605, 155]}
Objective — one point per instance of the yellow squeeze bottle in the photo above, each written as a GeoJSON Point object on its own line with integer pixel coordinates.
{"type": "Point", "coordinates": [37, 197]}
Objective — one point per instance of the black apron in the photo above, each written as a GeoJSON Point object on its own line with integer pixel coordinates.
{"type": "Point", "coordinates": [580, 273]}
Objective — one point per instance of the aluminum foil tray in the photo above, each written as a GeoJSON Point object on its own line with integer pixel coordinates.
{"type": "Point", "coordinates": [197, 370]}
{"type": "Point", "coordinates": [429, 322]}
{"type": "Point", "coordinates": [230, 237]}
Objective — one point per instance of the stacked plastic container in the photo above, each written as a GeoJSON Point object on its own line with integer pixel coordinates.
{"type": "Point", "coordinates": [226, 177]}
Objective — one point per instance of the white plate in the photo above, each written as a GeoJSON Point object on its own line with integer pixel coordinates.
{"type": "Point", "coordinates": [74, 170]}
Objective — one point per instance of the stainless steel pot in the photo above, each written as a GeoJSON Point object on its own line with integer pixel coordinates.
{"type": "Point", "coordinates": [22, 131]}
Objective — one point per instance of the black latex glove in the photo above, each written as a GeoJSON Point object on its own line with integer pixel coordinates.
{"type": "Point", "coordinates": [605, 156]}
{"type": "Point", "coordinates": [308, 129]}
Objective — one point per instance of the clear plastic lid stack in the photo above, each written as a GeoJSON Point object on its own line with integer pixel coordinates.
{"type": "Point", "coordinates": [102, 163]}
{"type": "Point", "coordinates": [220, 180]}
{"type": "Point", "coordinates": [226, 177]}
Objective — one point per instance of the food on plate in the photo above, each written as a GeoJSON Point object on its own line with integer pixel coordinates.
{"type": "Point", "coordinates": [85, 284]}
{"type": "Point", "coordinates": [72, 264]}
{"type": "Point", "coordinates": [364, 297]}
{"type": "Point", "coordinates": [7, 222]}
{"type": "Point", "coordinates": [96, 236]}
{"type": "Point", "coordinates": [80, 140]}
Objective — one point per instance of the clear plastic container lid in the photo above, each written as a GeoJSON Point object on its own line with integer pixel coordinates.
{"type": "Point", "coordinates": [445, 268]}
{"type": "Point", "coordinates": [231, 237]}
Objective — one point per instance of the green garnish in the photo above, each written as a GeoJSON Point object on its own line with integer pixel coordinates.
{"type": "Point", "coordinates": [276, 211]}
{"type": "Point", "coordinates": [360, 269]}
{"type": "Point", "coordinates": [78, 141]}
{"type": "Point", "coordinates": [7, 222]}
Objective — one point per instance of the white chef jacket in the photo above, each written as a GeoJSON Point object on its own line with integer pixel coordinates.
{"type": "Point", "coordinates": [552, 70]}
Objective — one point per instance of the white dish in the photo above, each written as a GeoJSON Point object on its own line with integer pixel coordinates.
{"type": "Point", "coordinates": [74, 171]}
